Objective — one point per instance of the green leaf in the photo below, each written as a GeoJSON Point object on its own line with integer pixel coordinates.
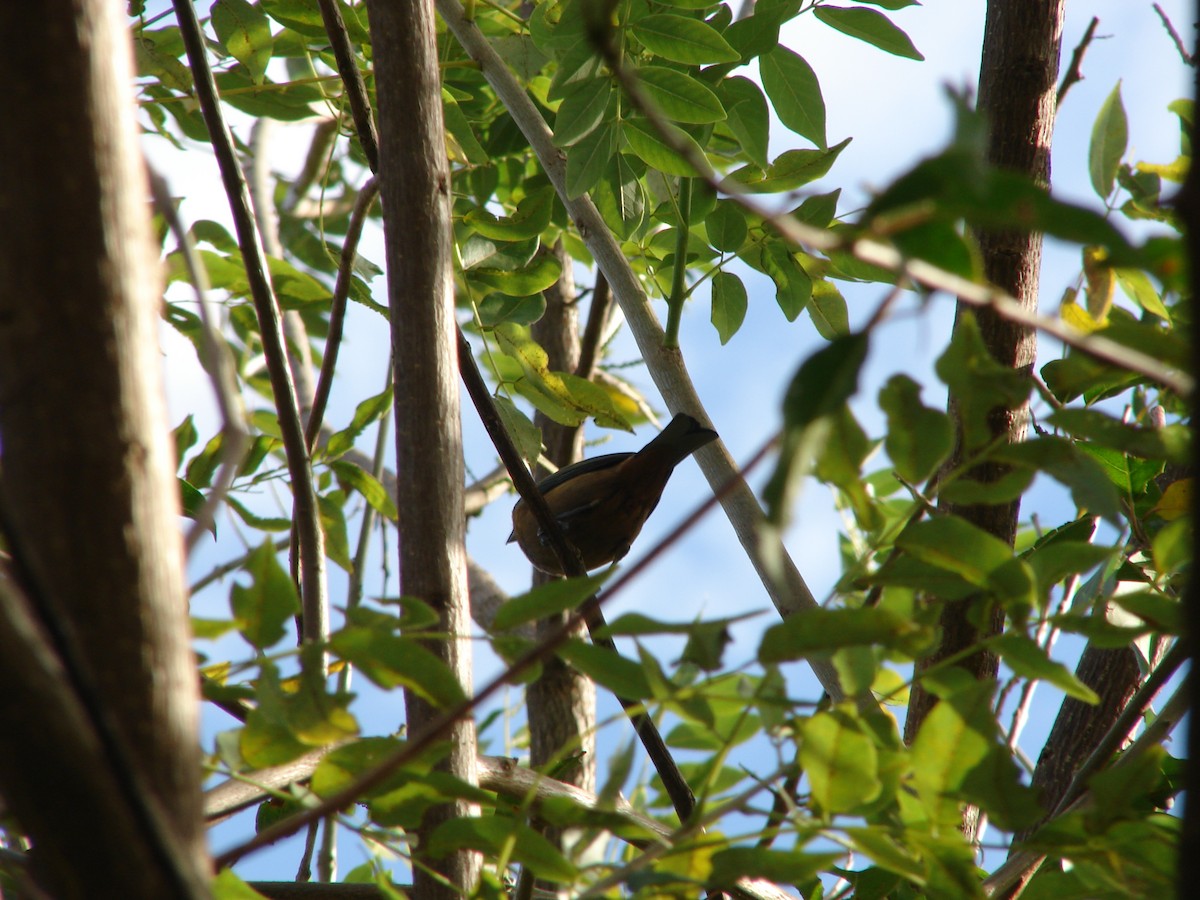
{"type": "Point", "coordinates": [625, 678]}
{"type": "Point", "coordinates": [226, 885]}
{"type": "Point", "coordinates": [587, 160]}
{"type": "Point", "coordinates": [918, 439]}
{"type": "Point", "coordinates": [746, 116]}
{"type": "Point", "coordinates": [645, 141]}
{"type": "Point", "coordinates": [620, 196]}
{"type": "Point", "coordinates": [1073, 465]}
{"type": "Point", "coordinates": [820, 388]}
{"type": "Point", "coordinates": [1171, 443]}
{"type": "Point", "coordinates": [254, 520]}
{"type": "Point", "coordinates": [826, 380]}
{"type": "Point", "coordinates": [522, 431]}
{"type": "Point", "coordinates": [497, 253]}
{"type": "Point", "coordinates": [367, 486]}
{"type": "Point", "coordinates": [1028, 660]}
{"type": "Point", "coordinates": [726, 227]}
{"type": "Point", "coordinates": [968, 551]}
{"type": "Point", "coordinates": [683, 39]}
{"type": "Point", "coordinates": [333, 523]}
{"type": "Point", "coordinates": [680, 97]}
{"type": "Point", "coordinates": [795, 93]}
{"type": "Point", "coordinates": [391, 660]}
{"type": "Point", "coordinates": [270, 601]}
{"type": "Point", "coordinates": [1077, 374]}
{"type": "Point", "coordinates": [267, 739]}
{"type": "Point", "coordinates": [1063, 559]}
{"type": "Point", "coordinates": [246, 34]}
{"type": "Point", "coordinates": [793, 284]}
{"type": "Point", "coordinates": [793, 169]}
{"type": "Point", "coordinates": [1110, 135]}
{"type": "Point", "coordinates": [780, 866]}
{"type": "Point", "coordinates": [192, 501]}
{"type": "Point", "coordinates": [365, 413]}
{"type": "Point", "coordinates": [594, 400]}
{"type": "Point", "coordinates": [183, 438]}
{"type": "Point", "coordinates": [341, 766]}
{"type": "Point", "coordinates": [460, 129]}
{"type": "Point", "coordinates": [820, 631]}
{"type": "Point", "coordinates": [978, 382]}
{"type": "Point", "coordinates": [955, 737]}
{"type": "Point", "coordinates": [497, 308]}
{"type": "Point", "coordinates": [1163, 614]}
{"type": "Point", "coordinates": [1138, 288]}
{"type": "Point", "coordinates": [494, 835]}
{"type": "Point", "coordinates": [541, 273]}
{"type": "Point", "coordinates": [582, 110]}
{"type": "Point", "coordinates": [547, 599]}
{"type": "Point", "coordinates": [827, 309]}
{"type": "Point", "coordinates": [290, 102]}
{"type": "Point", "coordinates": [841, 761]}
{"type": "Point", "coordinates": [868, 25]}
{"type": "Point", "coordinates": [818, 210]}
{"type": "Point", "coordinates": [729, 304]}
{"type": "Point", "coordinates": [531, 218]}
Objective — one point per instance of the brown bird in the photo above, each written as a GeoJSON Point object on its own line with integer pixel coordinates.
{"type": "Point", "coordinates": [601, 503]}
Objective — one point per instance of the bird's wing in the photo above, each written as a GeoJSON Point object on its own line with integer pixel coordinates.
{"type": "Point", "coordinates": [584, 466]}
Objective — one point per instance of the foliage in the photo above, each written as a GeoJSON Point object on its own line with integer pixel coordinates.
{"type": "Point", "coordinates": [851, 801]}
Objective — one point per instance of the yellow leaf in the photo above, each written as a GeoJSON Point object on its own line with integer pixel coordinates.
{"type": "Point", "coordinates": [1074, 314]}
{"type": "Point", "coordinates": [1173, 171]}
{"type": "Point", "coordinates": [1176, 500]}
{"type": "Point", "coordinates": [1100, 283]}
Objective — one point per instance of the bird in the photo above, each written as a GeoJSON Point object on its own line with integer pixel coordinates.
{"type": "Point", "coordinates": [602, 503]}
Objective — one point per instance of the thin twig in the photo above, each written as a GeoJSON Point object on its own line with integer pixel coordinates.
{"type": "Point", "coordinates": [217, 362]}
{"type": "Point", "coordinates": [1074, 72]}
{"type": "Point", "coordinates": [675, 784]}
{"type": "Point", "coordinates": [356, 88]}
{"type": "Point", "coordinates": [1187, 57]}
{"type": "Point", "coordinates": [311, 539]}
{"type": "Point", "coordinates": [337, 310]}
{"type": "Point", "coordinates": [593, 331]}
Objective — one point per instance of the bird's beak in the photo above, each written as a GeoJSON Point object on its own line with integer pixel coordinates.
{"type": "Point", "coordinates": [512, 536]}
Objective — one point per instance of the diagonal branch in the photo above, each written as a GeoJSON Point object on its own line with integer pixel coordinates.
{"type": "Point", "coordinates": [435, 729]}
{"type": "Point", "coordinates": [783, 583]}
{"type": "Point", "coordinates": [311, 539]}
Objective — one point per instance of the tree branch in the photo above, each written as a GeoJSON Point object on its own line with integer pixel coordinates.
{"type": "Point", "coordinates": [789, 592]}
{"type": "Point", "coordinates": [311, 539]}
{"type": "Point", "coordinates": [1074, 73]}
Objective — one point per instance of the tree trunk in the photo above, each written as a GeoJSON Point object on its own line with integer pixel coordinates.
{"type": "Point", "coordinates": [415, 192]}
{"type": "Point", "coordinates": [562, 702]}
{"type": "Point", "coordinates": [99, 759]}
{"type": "Point", "coordinates": [1018, 72]}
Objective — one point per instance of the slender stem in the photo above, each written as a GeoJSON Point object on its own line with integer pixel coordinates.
{"type": "Point", "coordinates": [679, 276]}
{"type": "Point", "coordinates": [311, 539]}
{"type": "Point", "coordinates": [337, 310]}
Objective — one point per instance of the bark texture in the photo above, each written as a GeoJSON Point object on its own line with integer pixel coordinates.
{"type": "Point", "coordinates": [1114, 675]}
{"type": "Point", "coordinates": [562, 702]}
{"type": "Point", "coordinates": [1017, 86]}
{"type": "Point", "coordinates": [99, 759]}
{"type": "Point", "coordinates": [415, 192]}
